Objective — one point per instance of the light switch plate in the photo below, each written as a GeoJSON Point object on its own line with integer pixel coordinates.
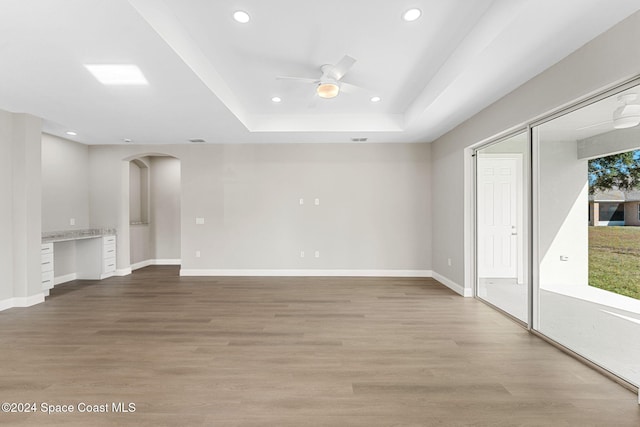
{"type": "Point", "coordinates": [199, 221]}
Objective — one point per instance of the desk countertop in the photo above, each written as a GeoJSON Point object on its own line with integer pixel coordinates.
{"type": "Point", "coordinates": [68, 235]}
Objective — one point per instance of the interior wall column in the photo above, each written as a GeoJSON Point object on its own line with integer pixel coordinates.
{"type": "Point", "coordinates": [26, 140]}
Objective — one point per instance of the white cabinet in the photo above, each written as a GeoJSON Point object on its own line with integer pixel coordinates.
{"type": "Point", "coordinates": [94, 255]}
{"type": "Point", "coordinates": [108, 256]}
{"type": "Point", "coordinates": [96, 258]}
{"type": "Point", "coordinates": [46, 254]}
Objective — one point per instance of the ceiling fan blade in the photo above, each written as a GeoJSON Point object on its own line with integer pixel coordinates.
{"type": "Point", "coordinates": [595, 125]}
{"type": "Point", "coordinates": [351, 88]}
{"type": "Point", "coordinates": [301, 79]}
{"type": "Point", "coordinates": [340, 69]}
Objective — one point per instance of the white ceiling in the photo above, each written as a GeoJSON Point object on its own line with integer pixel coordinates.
{"type": "Point", "coordinates": [213, 78]}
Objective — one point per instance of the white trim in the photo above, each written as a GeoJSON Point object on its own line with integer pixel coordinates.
{"type": "Point", "coordinates": [141, 264]}
{"type": "Point", "coordinates": [167, 261]}
{"type": "Point", "coordinates": [148, 262]}
{"type": "Point", "coordinates": [123, 271]}
{"type": "Point", "coordinates": [64, 279]}
{"type": "Point", "coordinates": [465, 292]}
{"type": "Point", "coordinates": [21, 301]}
{"type": "Point", "coordinates": [307, 273]}
{"type": "Point", "coordinates": [469, 212]}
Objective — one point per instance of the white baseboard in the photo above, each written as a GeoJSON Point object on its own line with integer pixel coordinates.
{"type": "Point", "coordinates": [141, 264]}
{"type": "Point", "coordinates": [21, 301]}
{"type": "Point", "coordinates": [123, 271]}
{"type": "Point", "coordinates": [307, 273]}
{"type": "Point", "coordinates": [149, 262]}
{"type": "Point", "coordinates": [461, 290]}
{"type": "Point", "coordinates": [64, 279]}
{"type": "Point", "coordinates": [167, 261]}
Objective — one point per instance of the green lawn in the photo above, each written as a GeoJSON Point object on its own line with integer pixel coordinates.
{"type": "Point", "coordinates": [614, 259]}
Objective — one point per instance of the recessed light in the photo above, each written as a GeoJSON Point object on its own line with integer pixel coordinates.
{"type": "Point", "coordinates": [276, 99]}
{"type": "Point", "coordinates": [241, 16]}
{"type": "Point", "coordinates": [71, 133]}
{"type": "Point", "coordinates": [411, 14]}
{"type": "Point", "coordinates": [376, 99]}
{"type": "Point", "coordinates": [117, 74]}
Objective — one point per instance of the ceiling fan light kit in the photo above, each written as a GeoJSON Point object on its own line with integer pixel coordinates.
{"type": "Point", "coordinates": [627, 115]}
{"type": "Point", "coordinates": [327, 90]}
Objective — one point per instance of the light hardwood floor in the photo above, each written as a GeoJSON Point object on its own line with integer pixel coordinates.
{"type": "Point", "coordinates": [291, 352]}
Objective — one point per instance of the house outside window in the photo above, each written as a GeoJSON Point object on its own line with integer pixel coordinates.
{"type": "Point", "coordinates": [612, 213]}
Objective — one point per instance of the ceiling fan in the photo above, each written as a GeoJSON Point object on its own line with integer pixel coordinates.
{"type": "Point", "coordinates": [625, 116]}
{"type": "Point", "coordinates": [329, 84]}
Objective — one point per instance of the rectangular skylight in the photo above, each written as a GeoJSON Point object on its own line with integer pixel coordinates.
{"type": "Point", "coordinates": [117, 74]}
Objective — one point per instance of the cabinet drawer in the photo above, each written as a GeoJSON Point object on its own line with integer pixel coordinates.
{"type": "Point", "coordinates": [47, 262]}
{"type": "Point", "coordinates": [47, 280]}
{"type": "Point", "coordinates": [108, 240]}
{"type": "Point", "coordinates": [46, 248]}
{"type": "Point", "coordinates": [109, 250]}
{"type": "Point", "coordinates": [109, 265]}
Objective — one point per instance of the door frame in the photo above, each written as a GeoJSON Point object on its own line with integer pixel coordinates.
{"type": "Point", "coordinates": [471, 206]}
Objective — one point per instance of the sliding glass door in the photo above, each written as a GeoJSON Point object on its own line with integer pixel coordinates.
{"type": "Point", "coordinates": [502, 177]}
{"type": "Point", "coordinates": [587, 223]}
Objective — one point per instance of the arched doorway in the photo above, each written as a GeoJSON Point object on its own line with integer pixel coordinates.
{"type": "Point", "coordinates": [154, 210]}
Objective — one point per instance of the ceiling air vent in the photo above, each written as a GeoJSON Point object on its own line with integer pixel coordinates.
{"type": "Point", "coordinates": [197, 140]}
{"type": "Point", "coordinates": [359, 139]}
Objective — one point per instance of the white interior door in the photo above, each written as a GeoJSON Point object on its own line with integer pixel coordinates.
{"type": "Point", "coordinates": [498, 225]}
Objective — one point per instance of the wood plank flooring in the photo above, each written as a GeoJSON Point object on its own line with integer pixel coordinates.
{"type": "Point", "coordinates": [235, 352]}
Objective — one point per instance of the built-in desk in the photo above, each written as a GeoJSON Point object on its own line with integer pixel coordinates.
{"type": "Point", "coordinates": [95, 254]}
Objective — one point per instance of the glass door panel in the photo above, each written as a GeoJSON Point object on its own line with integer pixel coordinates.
{"type": "Point", "coordinates": [588, 228]}
{"type": "Point", "coordinates": [501, 225]}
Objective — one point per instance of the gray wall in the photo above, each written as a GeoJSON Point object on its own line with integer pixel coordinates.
{"type": "Point", "coordinates": [65, 188]}
{"type": "Point", "coordinates": [608, 59]}
{"type": "Point", "coordinates": [65, 195]}
{"type": "Point", "coordinates": [374, 211]}
{"type": "Point", "coordinates": [140, 243]}
{"type": "Point", "coordinates": [165, 207]}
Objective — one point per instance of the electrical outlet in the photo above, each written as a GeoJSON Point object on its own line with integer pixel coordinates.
{"type": "Point", "coordinates": [197, 254]}
{"type": "Point", "coordinates": [301, 201]}
{"type": "Point", "coordinates": [317, 254]}
{"type": "Point", "coordinates": [301, 254]}
{"type": "Point", "coordinates": [199, 221]}
{"type": "Point", "coordinates": [449, 262]}
{"type": "Point", "coordinates": [317, 202]}
{"type": "Point", "coordinates": [72, 221]}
